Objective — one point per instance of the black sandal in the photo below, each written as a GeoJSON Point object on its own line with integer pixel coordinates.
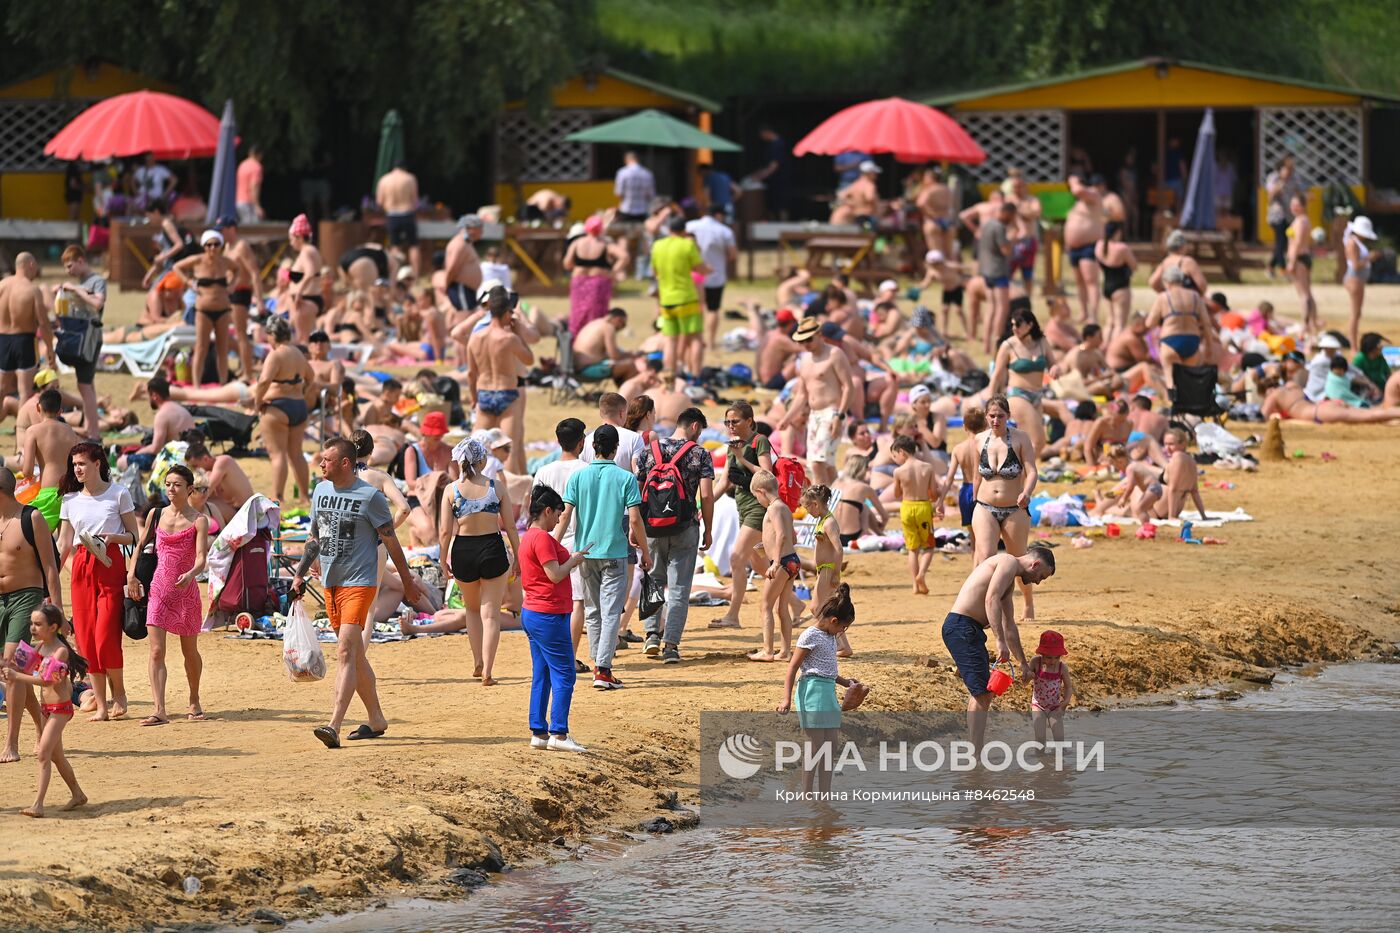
{"type": "Point", "coordinates": [365, 732]}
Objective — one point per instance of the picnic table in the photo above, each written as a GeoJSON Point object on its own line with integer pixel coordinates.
{"type": "Point", "coordinates": [852, 253]}
{"type": "Point", "coordinates": [133, 248]}
{"type": "Point", "coordinates": [1223, 248]}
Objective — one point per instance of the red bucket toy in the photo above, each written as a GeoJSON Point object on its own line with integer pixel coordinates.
{"type": "Point", "coordinates": [1000, 681]}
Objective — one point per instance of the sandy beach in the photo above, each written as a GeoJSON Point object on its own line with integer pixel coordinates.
{"type": "Point", "coordinates": [254, 807]}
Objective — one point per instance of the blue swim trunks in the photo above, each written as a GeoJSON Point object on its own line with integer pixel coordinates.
{"type": "Point", "coordinates": [966, 641]}
{"type": "Point", "coordinates": [496, 401]}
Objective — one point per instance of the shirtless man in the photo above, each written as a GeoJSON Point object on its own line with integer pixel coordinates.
{"type": "Point", "coordinates": [547, 204]}
{"type": "Point", "coordinates": [246, 291]}
{"type": "Point", "coordinates": [872, 377]}
{"type": "Point", "coordinates": [596, 353]}
{"type": "Point", "coordinates": [824, 391]}
{"type": "Point", "coordinates": [1113, 208]}
{"type": "Point", "coordinates": [778, 352]}
{"type": "Point", "coordinates": [23, 581]}
{"type": "Point", "coordinates": [935, 203]}
{"type": "Point", "coordinates": [462, 265]}
{"type": "Point", "coordinates": [670, 399]}
{"type": "Point", "coordinates": [27, 413]}
{"type": "Point", "coordinates": [1127, 353]}
{"type": "Point", "coordinates": [1083, 229]}
{"type": "Point", "coordinates": [794, 286]}
{"type": "Point", "coordinates": [498, 357]}
{"type": "Point", "coordinates": [172, 419]}
{"type": "Point", "coordinates": [983, 603]}
{"type": "Point", "coordinates": [647, 378]}
{"type": "Point", "coordinates": [1099, 377]}
{"type": "Point", "coordinates": [1145, 420]}
{"type": "Point", "coordinates": [975, 216]}
{"type": "Point", "coordinates": [46, 446]}
{"type": "Point", "coordinates": [330, 374]}
{"type": "Point", "coordinates": [380, 409]}
{"type": "Point", "coordinates": [397, 196]}
{"type": "Point", "coordinates": [22, 316]}
{"type": "Point", "coordinates": [860, 200]}
{"type": "Point", "coordinates": [228, 484]}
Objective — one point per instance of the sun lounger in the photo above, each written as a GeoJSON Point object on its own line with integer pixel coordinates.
{"type": "Point", "coordinates": [144, 358]}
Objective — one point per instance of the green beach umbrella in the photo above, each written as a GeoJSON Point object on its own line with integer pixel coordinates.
{"type": "Point", "coordinates": [652, 128]}
{"type": "Point", "coordinates": [391, 150]}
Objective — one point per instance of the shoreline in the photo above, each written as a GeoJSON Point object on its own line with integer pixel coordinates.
{"type": "Point", "coordinates": [619, 841]}
{"type": "Point", "coordinates": [328, 866]}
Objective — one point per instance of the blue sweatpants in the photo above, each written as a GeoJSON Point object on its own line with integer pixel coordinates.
{"type": "Point", "coordinates": [552, 680]}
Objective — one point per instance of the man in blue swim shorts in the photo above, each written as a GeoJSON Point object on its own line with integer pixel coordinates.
{"type": "Point", "coordinates": [983, 603]}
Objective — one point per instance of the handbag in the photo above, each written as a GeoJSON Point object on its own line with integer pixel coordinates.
{"type": "Point", "coordinates": [79, 339]}
{"type": "Point", "coordinates": [134, 619]}
{"type": "Point", "coordinates": [653, 597]}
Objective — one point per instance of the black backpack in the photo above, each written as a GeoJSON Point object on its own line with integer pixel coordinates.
{"type": "Point", "coordinates": [26, 524]}
{"type": "Point", "coordinates": [667, 508]}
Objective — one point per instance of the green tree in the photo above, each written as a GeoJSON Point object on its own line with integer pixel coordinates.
{"type": "Point", "coordinates": [306, 75]}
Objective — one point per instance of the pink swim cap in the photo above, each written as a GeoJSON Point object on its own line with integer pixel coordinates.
{"type": "Point", "coordinates": [301, 227]}
{"type": "Point", "coordinates": [593, 225]}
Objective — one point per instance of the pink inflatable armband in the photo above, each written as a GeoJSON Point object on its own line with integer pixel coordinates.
{"type": "Point", "coordinates": [52, 669]}
{"type": "Point", "coordinates": [27, 660]}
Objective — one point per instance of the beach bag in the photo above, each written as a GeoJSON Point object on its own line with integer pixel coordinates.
{"type": "Point", "coordinates": [792, 479]}
{"type": "Point", "coordinates": [301, 652]}
{"type": "Point", "coordinates": [26, 525]}
{"type": "Point", "coordinates": [134, 619]}
{"type": "Point", "coordinates": [667, 507]}
{"type": "Point", "coordinates": [79, 337]}
{"type": "Point", "coordinates": [653, 596]}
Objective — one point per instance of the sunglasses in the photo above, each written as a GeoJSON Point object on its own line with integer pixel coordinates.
{"type": "Point", "coordinates": [732, 422]}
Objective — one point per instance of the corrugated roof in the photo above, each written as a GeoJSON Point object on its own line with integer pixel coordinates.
{"type": "Point", "coordinates": [704, 103]}
{"type": "Point", "coordinates": [940, 99]}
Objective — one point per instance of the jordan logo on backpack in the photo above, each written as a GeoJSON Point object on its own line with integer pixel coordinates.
{"type": "Point", "coordinates": [667, 507]}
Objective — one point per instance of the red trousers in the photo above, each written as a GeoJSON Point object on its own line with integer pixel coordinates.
{"type": "Point", "coordinates": [97, 603]}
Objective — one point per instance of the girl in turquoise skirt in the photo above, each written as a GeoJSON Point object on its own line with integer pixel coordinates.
{"type": "Point", "coordinates": [814, 659]}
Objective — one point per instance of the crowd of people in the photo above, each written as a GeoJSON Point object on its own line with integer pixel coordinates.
{"type": "Point", "coordinates": [612, 523]}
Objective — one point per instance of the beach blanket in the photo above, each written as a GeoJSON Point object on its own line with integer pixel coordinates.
{"type": "Point", "coordinates": [1212, 519]}
{"type": "Point", "coordinates": [257, 513]}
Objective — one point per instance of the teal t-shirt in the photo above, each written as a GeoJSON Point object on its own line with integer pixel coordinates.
{"type": "Point", "coordinates": [601, 494]}
{"type": "Point", "coordinates": [345, 523]}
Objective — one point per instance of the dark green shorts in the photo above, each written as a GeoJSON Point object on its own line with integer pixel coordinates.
{"type": "Point", "coordinates": [750, 510]}
{"type": "Point", "coordinates": [15, 609]}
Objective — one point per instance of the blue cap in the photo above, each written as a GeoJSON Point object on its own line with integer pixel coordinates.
{"type": "Point", "coordinates": [226, 220]}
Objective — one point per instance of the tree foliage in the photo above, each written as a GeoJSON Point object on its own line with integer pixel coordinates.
{"type": "Point", "coordinates": [306, 74]}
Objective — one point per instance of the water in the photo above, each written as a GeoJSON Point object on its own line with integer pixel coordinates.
{"type": "Point", "coordinates": [1161, 879]}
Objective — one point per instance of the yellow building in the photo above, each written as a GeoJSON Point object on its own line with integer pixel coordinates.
{"type": "Point", "coordinates": [1149, 110]}
{"type": "Point", "coordinates": [31, 112]}
{"type": "Point", "coordinates": [531, 156]}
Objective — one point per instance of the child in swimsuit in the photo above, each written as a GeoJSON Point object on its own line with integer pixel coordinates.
{"type": "Point", "coordinates": [827, 557]}
{"type": "Point", "coordinates": [57, 667]}
{"type": "Point", "coordinates": [778, 539]}
{"type": "Point", "coordinates": [1051, 687]}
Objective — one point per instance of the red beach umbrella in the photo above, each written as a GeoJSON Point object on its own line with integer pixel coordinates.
{"type": "Point", "coordinates": [912, 132]}
{"type": "Point", "coordinates": [136, 123]}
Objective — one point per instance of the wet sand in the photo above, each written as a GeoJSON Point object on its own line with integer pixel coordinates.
{"type": "Point", "coordinates": [251, 804]}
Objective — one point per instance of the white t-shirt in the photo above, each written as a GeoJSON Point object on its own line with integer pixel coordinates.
{"type": "Point", "coordinates": [97, 515]}
{"type": "Point", "coordinates": [556, 476]}
{"type": "Point", "coordinates": [715, 240]}
{"type": "Point", "coordinates": [496, 270]}
{"type": "Point", "coordinates": [629, 444]}
{"type": "Point", "coordinates": [151, 181]}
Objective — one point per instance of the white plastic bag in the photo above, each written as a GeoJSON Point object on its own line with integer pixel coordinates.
{"type": "Point", "coordinates": [301, 652]}
{"type": "Point", "coordinates": [1213, 439]}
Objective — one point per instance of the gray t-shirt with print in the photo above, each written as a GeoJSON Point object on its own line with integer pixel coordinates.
{"type": "Point", "coordinates": [345, 522]}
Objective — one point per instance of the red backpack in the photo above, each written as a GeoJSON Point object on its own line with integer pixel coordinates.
{"type": "Point", "coordinates": [667, 507]}
{"type": "Point", "coordinates": [792, 478]}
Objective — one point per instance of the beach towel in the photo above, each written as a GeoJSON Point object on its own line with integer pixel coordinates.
{"type": "Point", "coordinates": [257, 513]}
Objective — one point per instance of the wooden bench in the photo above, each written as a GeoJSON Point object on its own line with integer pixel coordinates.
{"type": "Point", "coordinates": [789, 236]}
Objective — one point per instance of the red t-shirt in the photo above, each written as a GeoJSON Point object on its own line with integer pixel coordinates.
{"type": "Point", "coordinates": [542, 594]}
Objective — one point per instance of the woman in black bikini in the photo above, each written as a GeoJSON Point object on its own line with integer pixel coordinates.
{"type": "Point", "coordinates": [211, 274]}
{"type": "Point", "coordinates": [285, 389]}
{"type": "Point", "coordinates": [857, 495]}
{"type": "Point", "coordinates": [1002, 488]}
{"type": "Point", "coordinates": [306, 294]}
{"type": "Point", "coordinates": [1116, 260]}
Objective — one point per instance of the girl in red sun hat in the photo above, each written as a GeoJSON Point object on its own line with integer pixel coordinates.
{"type": "Point", "coordinates": [1050, 686]}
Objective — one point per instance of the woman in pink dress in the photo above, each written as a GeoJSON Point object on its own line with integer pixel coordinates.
{"type": "Point", "coordinates": [182, 546]}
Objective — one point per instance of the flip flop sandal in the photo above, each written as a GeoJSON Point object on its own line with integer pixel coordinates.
{"type": "Point", "coordinates": [722, 623]}
{"type": "Point", "coordinates": [365, 732]}
{"type": "Point", "coordinates": [155, 721]}
{"type": "Point", "coordinates": [327, 735]}
{"type": "Point", "coordinates": [581, 668]}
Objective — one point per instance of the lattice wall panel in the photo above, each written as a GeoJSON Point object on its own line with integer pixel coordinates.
{"type": "Point", "coordinates": [539, 148]}
{"type": "Point", "coordinates": [26, 126]}
{"type": "Point", "coordinates": [1326, 143]}
{"type": "Point", "coordinates": [1031, 140]}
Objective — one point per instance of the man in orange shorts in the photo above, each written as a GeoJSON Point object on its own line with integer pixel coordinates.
{"type": "Point", "coordinates": [349, 519]}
